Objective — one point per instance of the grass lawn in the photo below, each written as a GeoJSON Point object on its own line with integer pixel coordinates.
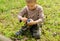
{"type": "Point", "coordinates": [9, 23]}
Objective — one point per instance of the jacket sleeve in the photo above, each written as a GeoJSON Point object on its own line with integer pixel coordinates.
{"type": "Point", "coordinates": [41, 15]}
{"type": "Point", "coordinates": [22, 12]}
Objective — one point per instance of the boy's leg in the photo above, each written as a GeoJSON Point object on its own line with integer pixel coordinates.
{"type": "Point", "coordinates": [21, 31]}
{"type": "Point", "coordinates": [35, 31]}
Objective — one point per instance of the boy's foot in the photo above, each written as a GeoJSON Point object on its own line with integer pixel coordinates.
{"type": "Point", "coordinates": [18, 33]}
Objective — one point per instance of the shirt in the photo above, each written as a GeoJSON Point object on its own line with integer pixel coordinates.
{"type": "Point", "coordinates": [35, 14]}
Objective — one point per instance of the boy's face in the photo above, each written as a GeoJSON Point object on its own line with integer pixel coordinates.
{"type": "Point", "coordinates": [31, 6]}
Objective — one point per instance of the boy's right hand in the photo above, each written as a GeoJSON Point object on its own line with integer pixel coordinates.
{"type": "Point", "coordinates": [24, 19]}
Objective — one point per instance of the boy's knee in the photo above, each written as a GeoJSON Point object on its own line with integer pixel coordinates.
{"type": "Point", "coordinates": [36, 35]}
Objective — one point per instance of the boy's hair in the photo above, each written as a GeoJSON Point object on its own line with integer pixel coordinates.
{"type": "Point", "coordinates": [29, 1]}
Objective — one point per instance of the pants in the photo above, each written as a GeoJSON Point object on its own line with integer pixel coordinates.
{"type": "Point", "coordinates": [34, 30]}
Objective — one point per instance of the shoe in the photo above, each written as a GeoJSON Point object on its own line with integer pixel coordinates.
{"type": "Point", "coordinates": [18, 33]}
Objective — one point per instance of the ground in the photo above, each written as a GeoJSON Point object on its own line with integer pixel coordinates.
{"type": "Point", "coordinates": [9, 23]}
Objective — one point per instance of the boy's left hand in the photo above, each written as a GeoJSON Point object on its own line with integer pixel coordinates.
{"type": "Point", "coordinates": [31, 22]}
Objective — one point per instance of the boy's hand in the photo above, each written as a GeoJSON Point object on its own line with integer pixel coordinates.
{"type": "Point", "coordinates": [31, 22]}
{"type": "Point", "coordinates": [24, 19]}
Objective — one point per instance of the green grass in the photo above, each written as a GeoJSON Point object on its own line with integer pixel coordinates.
{"type": "Point", "coordinates": [9, 23]}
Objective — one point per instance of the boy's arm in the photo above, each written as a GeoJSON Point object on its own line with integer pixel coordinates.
{"type": "Point", "coordinates": [21, 14]}
{"type": "Point", "coordinates": [41, 16]}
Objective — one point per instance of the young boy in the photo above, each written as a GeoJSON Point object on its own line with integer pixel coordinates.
{"type": "Point", "coordinates": [35, 13]}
